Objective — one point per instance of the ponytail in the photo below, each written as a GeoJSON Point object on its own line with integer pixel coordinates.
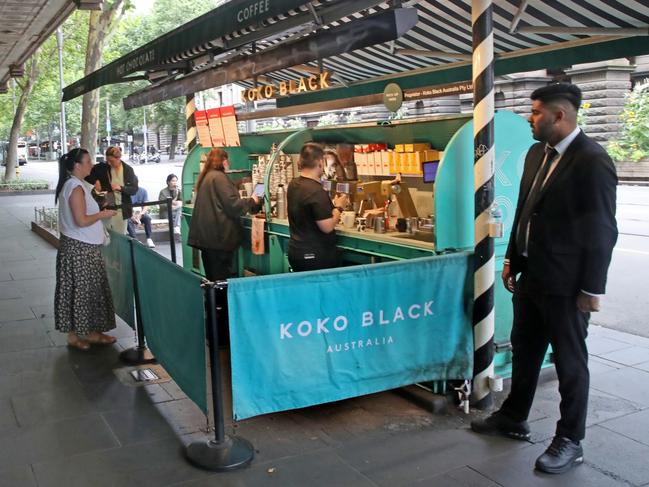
{"type": "Point", "coordinates": [66, 165]}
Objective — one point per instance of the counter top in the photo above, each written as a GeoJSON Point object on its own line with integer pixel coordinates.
{"type": "Point", "coordinates": [392, 237]}
{"type": "Point", "coordinates": [421, 242]}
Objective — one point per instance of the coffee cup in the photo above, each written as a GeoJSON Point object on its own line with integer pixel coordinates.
{"type": "Point", "coordinates": [348, 218]}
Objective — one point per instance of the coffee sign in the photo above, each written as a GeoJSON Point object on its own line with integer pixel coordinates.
{"type": "Point", "coordinates": [311, 83]}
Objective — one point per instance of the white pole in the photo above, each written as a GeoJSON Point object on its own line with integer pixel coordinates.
{"type": "Point", "coordinates": [108, 128]}
{"type": "Point", "coordinates": [64, 134]}
{"type": "Point", "coordinates": [146, 140]}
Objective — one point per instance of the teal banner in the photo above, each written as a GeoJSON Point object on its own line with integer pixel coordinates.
{"type": "Point", "coordinates": [120, 276]}
{"type": "Point", "coordinates": [308, 338]}
{"type": "Point", "coordinates": [172, 311]}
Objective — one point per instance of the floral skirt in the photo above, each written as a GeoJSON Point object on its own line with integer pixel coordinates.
{"type": "Point", "coordinates": [82, 300]}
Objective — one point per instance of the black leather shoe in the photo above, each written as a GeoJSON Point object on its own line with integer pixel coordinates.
{"type": "Point", "coordinates": [561, 456]}
{"type": "Point", "coordinates": [500, 425]}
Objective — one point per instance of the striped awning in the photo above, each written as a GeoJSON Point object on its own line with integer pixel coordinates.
{"type": "Point", "coordinates": [444, 30]}
{"type": "Point", "coordinates": [441, 39]}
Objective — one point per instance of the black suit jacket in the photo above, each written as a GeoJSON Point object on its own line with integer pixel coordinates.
{"type": "Point", "coordinates": [101, 172]}
{"type": "Point", "coordinates": [572, 228]}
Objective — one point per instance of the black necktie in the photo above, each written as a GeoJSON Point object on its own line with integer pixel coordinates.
{"type": "Point", "coordinates": [532, 197]}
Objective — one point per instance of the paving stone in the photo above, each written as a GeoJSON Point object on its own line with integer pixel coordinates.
{"type": "Point", "coordinates": [7, 417]}
{"type": "Point", "coordinates": [55, 440]}
{"type": "Point", "coordinates": [617, 455]}
{"type": "Point", "coordinates": [600, 345]}
{"type": "Point", "coordinates": [404, 458]}
{"type": "Point", "coordinates": [32, 381]}
{"type": "Point", "coordinates": [111, 395]}
{"type": "Point", "coordinates": [183, 416]}
{"type": "Point", "coordinates": [461, 477]}
{"type": "Point", "coordinates": [51, 405]}
{"type": "Point", "coordinates": [601, 407]}
{"type": "Point", "coordinates": [9, 290]}
{"type": "Point", "coordinates": [628, 356]}
{"type": "Point", "coordinates": [16, 309]}
{"type": "Point", "coordinates": [34, 269]}
{"type": "Point", "coordinates": [151, 464]}
{"type": "Point", "coordinates": [138, 424]}
{"type": "Point", "coordinates": [21, 476]}
{"type": "Point", "coordinates": [644, 366]}
{"type": "Point", "coordinates": [634, 426]}
{"type": "Point", "coordinates": [5, 275]}
{"type": "Point", "coordinates": [23, 335]}
{"type": "Point", "coordinates": [628, 383]}
{"type": "Point", "coordinates": [312, 469]}
{"type": "Point", "coordinates": [516, 469]}
{"type": "Point", "coordinates": [600, 366]}
{"type": "Point", "coordinates": [36, 360]}
{"type": "Point", "coordinates": [279, 435]}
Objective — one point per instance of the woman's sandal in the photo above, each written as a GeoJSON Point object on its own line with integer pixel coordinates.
{"type": "Point", "coordinates": [102, 340]}
{"type": "Point", "coordinates": [79, 344]}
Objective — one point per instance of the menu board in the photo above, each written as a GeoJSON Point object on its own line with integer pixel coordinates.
{"type": "Point", "coordinates": [202, 128]}
{"type": "Point", "coordinates": [230, 130]}
{"type": "Point", "coordinates": [216, 127]}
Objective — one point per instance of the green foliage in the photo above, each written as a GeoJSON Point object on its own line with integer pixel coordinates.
{"type": "Point", "coordinates": [42, 116]}
{"type": "Point", "coordinates": [633, 143]}
{"type": "Point", "coordinates": [23, 185]}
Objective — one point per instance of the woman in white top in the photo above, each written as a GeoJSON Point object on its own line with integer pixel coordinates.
{"type": "Point", "coordinates": [83, 305]}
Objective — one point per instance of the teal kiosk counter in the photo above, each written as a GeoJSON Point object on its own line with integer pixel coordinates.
{"type": "Point", "coordinates": [382, 271]}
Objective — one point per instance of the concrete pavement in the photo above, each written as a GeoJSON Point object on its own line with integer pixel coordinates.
{"type": "Point", "coordinates": [69, 419]}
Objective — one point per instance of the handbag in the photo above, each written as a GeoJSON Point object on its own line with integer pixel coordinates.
{"type": "Point", "coordinates": [105, 199]}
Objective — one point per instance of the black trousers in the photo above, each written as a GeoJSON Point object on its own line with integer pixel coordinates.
{"type": "Point", "coordinates": [146, 221]}
{"type": "Point", "coordinates": [217, 263]}
{"type": "Point", "coordinates": [312, 259]}
{"type": "Point", "coordinates": [540, 320]}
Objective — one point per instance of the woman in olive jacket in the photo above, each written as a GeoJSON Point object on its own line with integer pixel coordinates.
{"type": "Point", "coordinates": [215, 228]}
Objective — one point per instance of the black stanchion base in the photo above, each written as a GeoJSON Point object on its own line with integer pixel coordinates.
{"type": "Point", "coordinates": [235, 452]}
{"type": "Point", "coordinates": [137, 356]}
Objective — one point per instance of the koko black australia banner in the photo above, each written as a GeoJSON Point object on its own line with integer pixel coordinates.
{"type": "Point", "coordinates": [308, 338]}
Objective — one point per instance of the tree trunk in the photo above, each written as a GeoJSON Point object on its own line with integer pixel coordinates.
{"type": "Point", "coordinates": [101, 22]}
{"type": "Point", "coordinates": [172, 145]}
{"type": "Point", "coordinates": [12, 156]}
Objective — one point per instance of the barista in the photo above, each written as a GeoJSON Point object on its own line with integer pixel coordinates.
{"type": "Point", "coordinates": [311, 215]}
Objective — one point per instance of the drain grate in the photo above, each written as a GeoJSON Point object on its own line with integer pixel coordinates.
{"type": "Point", "coordinates": [144, 375]}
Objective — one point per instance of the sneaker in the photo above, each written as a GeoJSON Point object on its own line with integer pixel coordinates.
{"type": "Point", "coordinates": [177, 230]}
{"type": "Point", "coordinates": [150, 244]}
{"type": "Point", "coordinates": [561, 456]}
{"type": "Point", "coordinates": [500, 425]}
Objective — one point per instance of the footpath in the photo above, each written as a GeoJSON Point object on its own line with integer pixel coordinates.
{"type": "Point", "coordinates": [72, 419]}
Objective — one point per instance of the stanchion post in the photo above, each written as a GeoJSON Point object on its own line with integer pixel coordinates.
{"type": "Point", "coordinates": [223, 452]}
{"type": "Point", "coordinates": [140, 354]}
{"type": "Point", "coordinates": [172, 240]}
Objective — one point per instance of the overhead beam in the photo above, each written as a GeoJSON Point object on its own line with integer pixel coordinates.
{"type": "Point", "coordinates": [588, 31]}
{"type": "Point", "coordinates": [375, 29]}
{"type": "Point", "coordinates": [431, 53]}
{"type": "Point", "coordinates": [89, 4]}
{"type": "Point", "coordinates": [517, 17]}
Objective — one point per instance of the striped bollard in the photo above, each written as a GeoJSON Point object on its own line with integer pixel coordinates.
{"type": "Point", "coordinates": [190, 109]}
{"type": "Point", "coordinates": [483, 140]}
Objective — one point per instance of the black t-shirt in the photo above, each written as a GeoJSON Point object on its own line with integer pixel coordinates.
{"type": "Point", "coordinates": [308, 203]}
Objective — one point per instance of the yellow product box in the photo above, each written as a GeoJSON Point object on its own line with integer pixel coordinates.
{"type": "Point", "coordinates": [385, 163]}
{"type": "Point", "coordinates": [416, 147]}
{"type": "Point", "coordinates": [392, 162]}
{"type": "Point", "coordinates": [361, 163]}
{"type": "Point", "coordinates": [432, 155]}
{"type": "Point", "coordinates": [400, 148]}
{"type": "Point", "coordinates": [404, 162]}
